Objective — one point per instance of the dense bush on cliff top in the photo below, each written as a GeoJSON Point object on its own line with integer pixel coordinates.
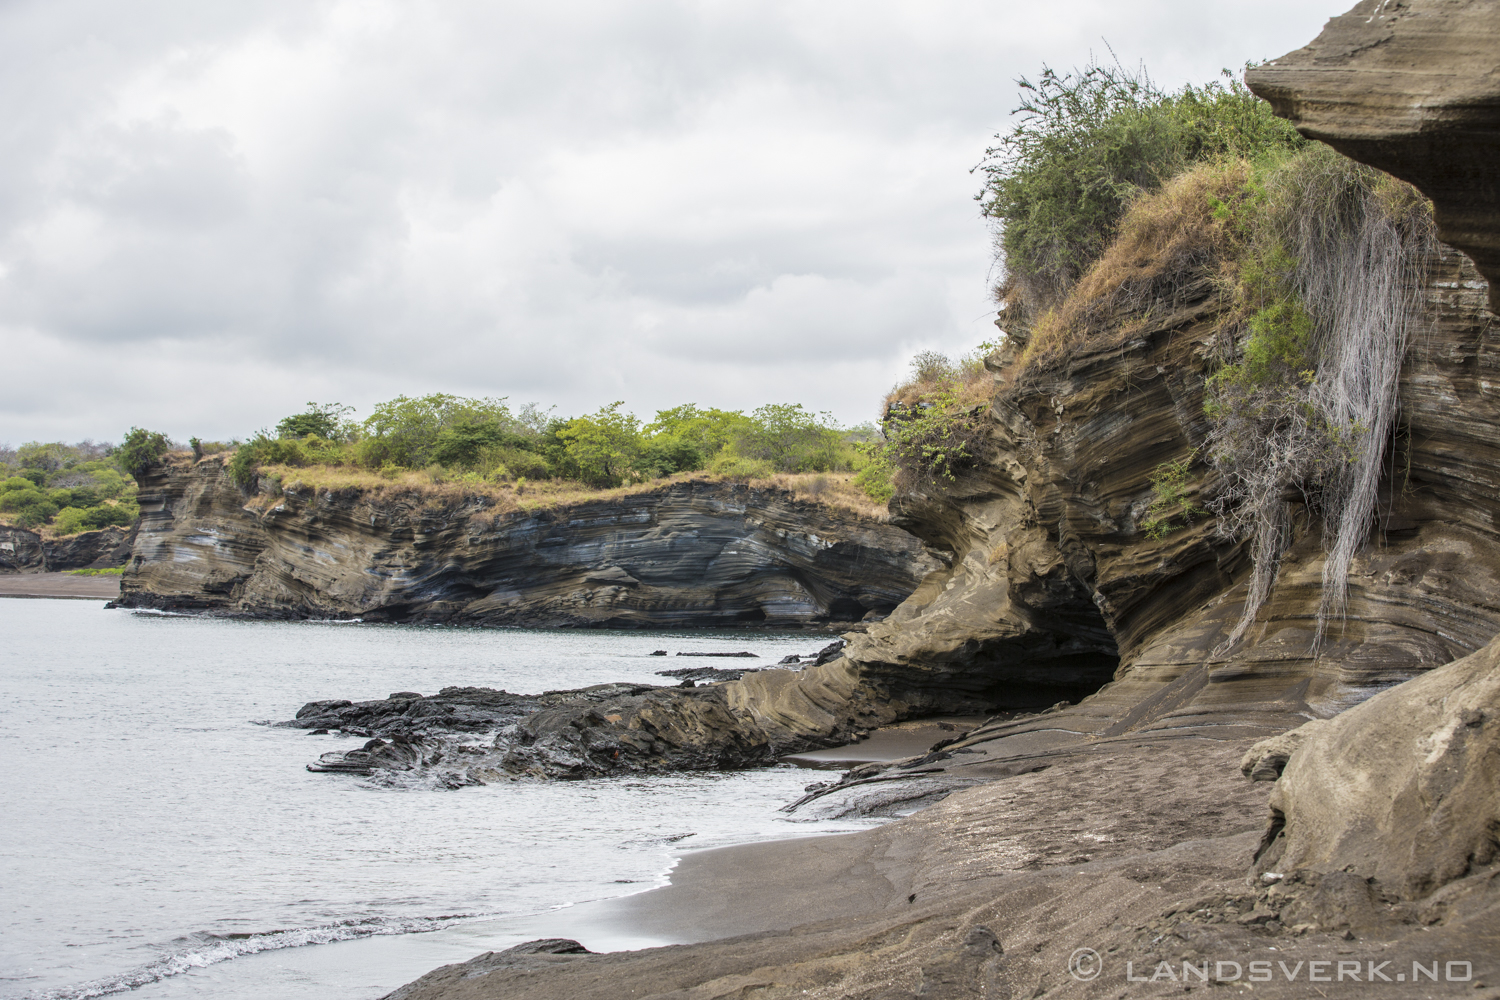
{"type": "Point", "coordinates": [67, 487]}
{"type": "Point", "coordinates": [484, 440]}
{"type": "Point", "coordinates": [1118, 203]}
{"type": "Point", "coordinates": [1087, 146]}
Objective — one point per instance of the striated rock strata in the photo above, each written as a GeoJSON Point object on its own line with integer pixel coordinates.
{"type": "Point", "coordinates": [1121, 823]}
{"type": "Point", "coordinates": [23, 551]}
{"type": "Point", "coordinates": [688, 554]}
{"type": "Point", "coordinates": [1050, 592]}
{"type": "Point", "coordinates": [1411, 87]}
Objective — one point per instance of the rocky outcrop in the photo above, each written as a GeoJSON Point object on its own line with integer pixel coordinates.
{"type": "Point", "coordinates": [1411, 87]}
{"type": "Point", "coordinates": [1051, 593]}
{"type": "Point", "coordinates": [465, 736]}
{"type": "Point", "coordinates": [1382, 851]}
{"type": "Point", "coordinates": [1403, 789]}
{"type": "Point", "coordinates": [688, 554]}
{"type": "Point", "coordinates": [1053, 589]}
{"type": "Point", "coordinates": [23, 551]}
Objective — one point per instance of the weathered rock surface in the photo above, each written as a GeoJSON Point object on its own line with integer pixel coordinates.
{"type": "Point", "coordinates": [1411, 87]}
{"type": "Point", "coordinates": [1134, 847]}
{"type": "Point", "coordinates": [1403, 789]}
{"type": "Point", "coordinates": [23, 551]}
{"type": "Point", "coordinates": [1051, 593]}
{"type": "Point", "coordinates": [689, 554]}
{"type": "Point", "coordinates": [465, 736]}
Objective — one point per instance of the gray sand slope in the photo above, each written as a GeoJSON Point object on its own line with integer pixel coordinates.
{"type": "Point", "coordinates": [91, 588]}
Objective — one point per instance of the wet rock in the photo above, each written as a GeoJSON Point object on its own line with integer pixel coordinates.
{"type": "Point", "coordinates": [530, 956]}
{"type": "Point", "coordinates": [829, 653]}
{"type": "Point", "coordinates": [706, 673]}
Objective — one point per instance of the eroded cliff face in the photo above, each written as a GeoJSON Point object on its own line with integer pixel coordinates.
{"type": "Point", "coordinates": [1411, 87]}
{"type": "Point", "coordinates": [1052, 578]}
{"type": "Point", "coordinates": [690, 554]}
{"type": "Point", "coordinates": [1052, 593]}
{"type": "Point", "coordinates": [23, 551]}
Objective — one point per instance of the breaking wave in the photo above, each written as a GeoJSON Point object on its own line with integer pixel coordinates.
{"type": "Point", "coordinates": [205, 948]}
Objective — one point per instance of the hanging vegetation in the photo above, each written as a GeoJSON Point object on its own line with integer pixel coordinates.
{"type": "Point", "coordinates": [1325, 281]}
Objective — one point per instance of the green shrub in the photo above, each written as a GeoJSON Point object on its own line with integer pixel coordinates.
{"type": "Point", "coordinates": [141, 449]}
{"type": "Point", "coordinates": [875, 473]}
{"type": "Point", "coordinates": [602, 446]}
{"type": "Point", "coordinates": [666, 454]}
{"type": "Point", "coordinates": [707, 429]}
{"type": "Point", "coordinates": [1169, 499]}
{"type": "Point", "coordinates": [36, 514]}
{"type": "Point", "coordinates": [12, 501]}
{"type": "Point", "coordinates": [1087, 144]}
{"type": "Point", "coordinates": [515, 462]}
{"type": "Point", "coordinates": [406, 431]}
{"type": "Point", "coordinates": [732, 465]}
{"type": "Point", "coordinates": [326, 420]}
{"type": "Point", "coordinates": [70, 520]}
{"type": "Point", "coordinates": [793, 439]}
{"type": "Point", "coordinates": [122, 514]}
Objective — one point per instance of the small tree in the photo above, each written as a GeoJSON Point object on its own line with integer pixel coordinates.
{"type": "Point", "coordinates": [325, 420]}
{"type": "Point", "coordinates": [603, 445]}
{"type": "Point", "coordinates": [140, 450]}
{"type": "Point", "coordinates": [792, 439]}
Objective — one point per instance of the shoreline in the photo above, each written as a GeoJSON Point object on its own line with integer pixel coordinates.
{"type": "Point", "coordinates": [64, 586]}
{"type": "Point", "coordinates": [791, 910]}
{"type": "Point", "coordinates": [992, 891]}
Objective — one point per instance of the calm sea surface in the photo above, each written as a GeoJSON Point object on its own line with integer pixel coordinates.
{"type": "Point", "coordinates": [155, 838]}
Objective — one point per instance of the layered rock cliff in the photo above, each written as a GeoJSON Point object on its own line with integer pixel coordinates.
{"type": "Point", "coordinates": [23, 551]}
{"type": "Point", "coordinates": [1411, 87]}
{"type": "Point", "coordinates": [688, 554]}
{"type": "Point", "coordinates": [1051, 592]}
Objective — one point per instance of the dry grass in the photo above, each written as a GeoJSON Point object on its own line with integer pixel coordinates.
{"type": "Point", "coordinates": [831, 489]}
{"type": "Point", "coordinates": [423, 489]}
{"type": "Point", "coordinates": [1167, 241]}
{"type": "Point", "coordinates": [970, 383]}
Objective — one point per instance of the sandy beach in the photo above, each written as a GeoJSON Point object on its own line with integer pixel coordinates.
{"type": "Point", "coordinates": [64, 585]}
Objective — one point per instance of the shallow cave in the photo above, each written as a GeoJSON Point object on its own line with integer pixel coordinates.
{"type": "Point", "coordinates": [1066, 662]}
{"type": "Point", "coordinates": [846, 609]}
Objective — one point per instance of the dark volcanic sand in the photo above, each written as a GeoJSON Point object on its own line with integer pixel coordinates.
{"type": "Point", "coordinates": [1138, 847]}
{"type": "Point", "coordinates": [92, 588]}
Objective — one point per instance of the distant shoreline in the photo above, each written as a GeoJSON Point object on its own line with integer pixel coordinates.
{"type": "Point", "coordinates": [60, 585]}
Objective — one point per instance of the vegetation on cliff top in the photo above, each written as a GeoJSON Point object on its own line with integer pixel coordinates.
{"type": "Point", "coordinates": [63, 489]}
{"type": "Point", "coordinates": [533, 458]}
{"type": "Point", "coordinates": [1119, 204]}
{"type": "Point", "coordinates": [1067, 187]}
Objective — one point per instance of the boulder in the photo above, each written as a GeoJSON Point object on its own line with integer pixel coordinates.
{"type": "Point", "coordinates": [1403, 789]}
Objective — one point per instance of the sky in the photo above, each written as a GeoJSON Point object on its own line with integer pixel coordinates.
{"type": "Point", "coordinates": [211, 214]}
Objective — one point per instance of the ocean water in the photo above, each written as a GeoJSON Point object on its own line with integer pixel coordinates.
{"type": "Point", "coordinates": [157, 838]}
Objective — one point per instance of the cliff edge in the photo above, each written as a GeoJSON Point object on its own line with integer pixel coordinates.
{"type": "Point", "coordinates": [695, 554]}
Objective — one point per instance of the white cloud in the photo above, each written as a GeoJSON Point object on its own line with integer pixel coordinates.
{"type": "Point", "coordinates": [210, 214]}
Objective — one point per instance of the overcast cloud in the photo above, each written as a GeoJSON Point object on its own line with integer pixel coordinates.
{"type": "Point", "coordinates": [212, 213]}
